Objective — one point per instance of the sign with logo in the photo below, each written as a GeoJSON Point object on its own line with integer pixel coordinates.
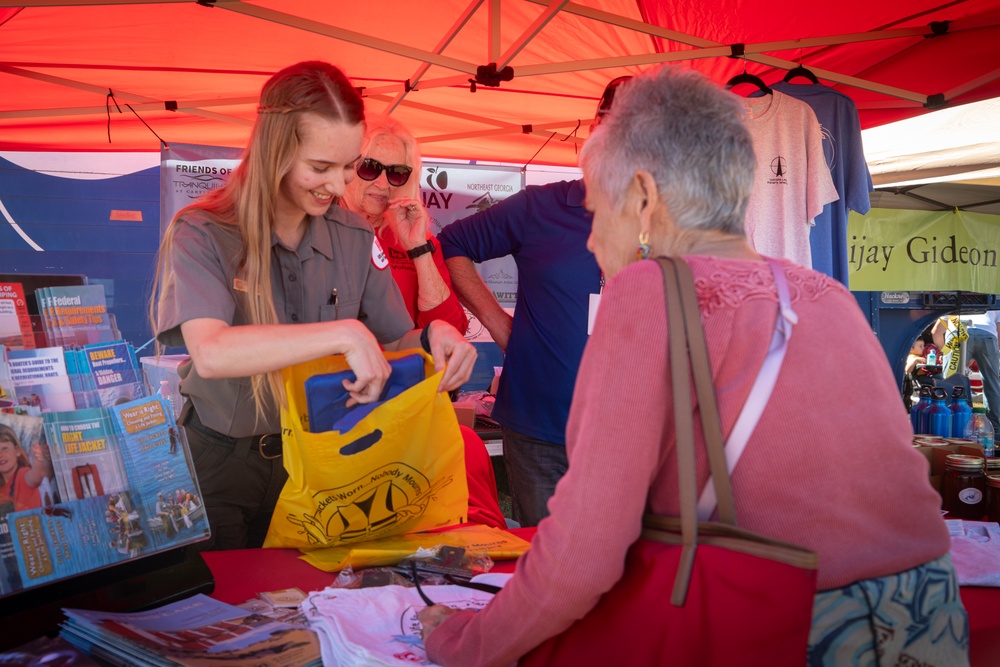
{"type": "Point", "coordinates": [188, 171]}
{"type": "Point", "coordinates": [451, 192]}
{"type": "Point", "coordinates": [890, 250]}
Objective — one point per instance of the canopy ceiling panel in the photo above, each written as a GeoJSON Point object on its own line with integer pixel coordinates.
{"type": "Point", "coordinates": [74, 71]}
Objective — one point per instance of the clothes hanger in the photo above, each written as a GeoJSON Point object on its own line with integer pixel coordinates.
{"type": "Point", "coordinates": [749, 78]}
{"type": "Point", "coordinates": [800, 71]}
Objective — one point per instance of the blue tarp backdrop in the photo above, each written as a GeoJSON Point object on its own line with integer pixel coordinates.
{"type": "Point", "coordinates": [106, 229]}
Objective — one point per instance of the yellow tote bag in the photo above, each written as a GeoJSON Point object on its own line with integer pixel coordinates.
{"type": "Point", "coordinates": [409, 474]}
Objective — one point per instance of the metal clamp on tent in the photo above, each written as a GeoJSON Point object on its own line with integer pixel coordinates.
{"type": "Point", "coordinates": [938, 28]}
{"type": "Point", "coordinates": [936, 101]}
{"type": "Point", "coordinates": [737, 50]}
{"type": "Point", "coordinates": [488, 75]}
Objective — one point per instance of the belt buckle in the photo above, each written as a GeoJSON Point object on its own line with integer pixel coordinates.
{"type": "Point", "coordinates": [269, 446]}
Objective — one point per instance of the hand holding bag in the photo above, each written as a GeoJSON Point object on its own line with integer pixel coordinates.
{"type": "Point", "coordinates": [399, 468]}
{"type": "Point", "coordinates": [735, 597]}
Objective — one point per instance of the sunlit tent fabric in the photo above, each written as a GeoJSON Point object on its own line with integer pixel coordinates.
{"type": "Point", "coordinates": [120, 76]}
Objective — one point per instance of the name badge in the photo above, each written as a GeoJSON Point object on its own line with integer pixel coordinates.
{"type": "Point", "coordinates": [378, 256]}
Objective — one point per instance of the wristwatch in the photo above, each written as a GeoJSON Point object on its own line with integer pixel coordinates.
{"type": "Point", "coordinates": [413, 253]}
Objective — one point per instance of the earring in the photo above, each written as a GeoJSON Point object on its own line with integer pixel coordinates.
{"type": "Point", "coordinates": [644, 250]}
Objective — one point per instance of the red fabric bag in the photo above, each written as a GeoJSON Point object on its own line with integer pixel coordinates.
{"type": "Point", "coordinates": [697, 593]}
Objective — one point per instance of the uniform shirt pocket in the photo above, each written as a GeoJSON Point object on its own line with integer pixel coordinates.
{"type": "Point", "coordinates": [344, 310]}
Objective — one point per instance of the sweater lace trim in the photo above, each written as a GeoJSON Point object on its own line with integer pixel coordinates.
{"type": "Point", "coordinates": [730, 283]}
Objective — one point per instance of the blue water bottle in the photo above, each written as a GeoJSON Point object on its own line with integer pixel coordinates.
{"type": "Point", "coordinates": [939, 416]}
{"type": "Point", "coordinates": [961, 412]}
{"type": "Point", "coordinates": [917, 411]}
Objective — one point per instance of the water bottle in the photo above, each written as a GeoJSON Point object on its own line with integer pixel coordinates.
{"type": "Point", "coordinates": [939, 416]}
{"type": "Point", "coordinates": [980, 430]}
{"type": "Point", "coordinates": [168, 397]}
{"type": "Point", "coordinates": [918, 415]}
{"type": "Point", "coordinates": [932, 358]}
{"type": "Point", "coordinates": [961, 412]}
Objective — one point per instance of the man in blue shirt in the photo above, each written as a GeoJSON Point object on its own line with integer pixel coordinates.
{"type": "Point", "coordinates": [545, 228]}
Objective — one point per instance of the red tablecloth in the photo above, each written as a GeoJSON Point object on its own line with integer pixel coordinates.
{"type": "Point", "coordinates": [241, 574]}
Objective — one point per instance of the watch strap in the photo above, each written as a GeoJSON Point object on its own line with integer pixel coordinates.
{"type": "Point", "coordinates": [413, 253]}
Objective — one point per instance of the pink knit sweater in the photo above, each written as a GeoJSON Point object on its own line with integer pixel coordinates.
{"type": "Point", "coordinates": [830, 465]}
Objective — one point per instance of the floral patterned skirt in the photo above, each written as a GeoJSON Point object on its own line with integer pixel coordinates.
{"type": "Point", "coordinates": [913, 619]}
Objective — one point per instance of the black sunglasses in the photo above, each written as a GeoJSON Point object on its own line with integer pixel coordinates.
{"type": "Point", "coordinates": [370, 168]}
{"type": "Point", "coordinates": [608, 98]}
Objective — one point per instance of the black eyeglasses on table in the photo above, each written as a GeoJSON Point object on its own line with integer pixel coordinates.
{"type": "Point", "coordinates": [414, 576]}
{"type": "Point", "coordinates": [370, 168]}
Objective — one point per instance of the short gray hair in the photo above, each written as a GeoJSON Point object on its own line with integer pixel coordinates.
{"type": "Point", "coordinates": [689, 134]}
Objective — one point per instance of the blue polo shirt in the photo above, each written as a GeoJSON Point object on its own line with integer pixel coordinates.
{"type": "Point", "coordinates": [545, 229]}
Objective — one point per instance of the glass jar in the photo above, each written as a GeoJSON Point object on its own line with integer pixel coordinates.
{"type": "Point", "coordinates": [964, 487]}
{"type": "Point", "coordinates": [993, 498]}
{"type": "Point", "coordinates": [993, 466]}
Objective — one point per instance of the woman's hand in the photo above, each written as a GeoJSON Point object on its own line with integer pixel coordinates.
{"type": "Point", "coordinates": [451, 352]}
{"type": "Point", "coordinates": [431, 617]}
{"type": "Point", "coordinates": [365, 358]}
{"type": "Point", "coordinates": [409, 221]}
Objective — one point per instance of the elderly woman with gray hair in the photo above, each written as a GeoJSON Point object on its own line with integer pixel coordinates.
{"type": "Point", "coordinates": [669, 172]}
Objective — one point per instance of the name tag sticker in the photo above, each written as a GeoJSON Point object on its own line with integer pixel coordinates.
{"type": "Point", "coordinates": [378, 256]}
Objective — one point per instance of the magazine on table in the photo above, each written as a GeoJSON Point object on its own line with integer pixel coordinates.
{"type": "Point", "coordinates": [196, 632]}
{"type": "Point", "coordinates": [47, 652]}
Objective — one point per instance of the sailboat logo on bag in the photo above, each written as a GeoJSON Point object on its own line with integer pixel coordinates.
{"type": "Point", "coordinates": [388, 500]}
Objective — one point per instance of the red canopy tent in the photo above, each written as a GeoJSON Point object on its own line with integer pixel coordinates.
{"type": "Point", "coordinates": [119, 75]}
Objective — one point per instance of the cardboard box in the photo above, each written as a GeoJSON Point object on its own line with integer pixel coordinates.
{"type": "Point", "coordinates": [466, 413]}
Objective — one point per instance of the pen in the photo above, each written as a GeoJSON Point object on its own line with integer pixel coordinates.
{"type": "Point", "coordinates": [334, 302]}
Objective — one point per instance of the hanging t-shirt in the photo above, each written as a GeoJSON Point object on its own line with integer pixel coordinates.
{"type": "Point", "coordinates": [841, 128]}
{"type": "Point", "coordinates": [792, 183]}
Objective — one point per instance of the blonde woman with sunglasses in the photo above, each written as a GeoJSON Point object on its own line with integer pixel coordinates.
{"type": "Point", "coordinates": [387, 195]}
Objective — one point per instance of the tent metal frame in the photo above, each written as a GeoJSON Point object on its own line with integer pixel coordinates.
{"type": "Point", "coordinates": [396, 95]}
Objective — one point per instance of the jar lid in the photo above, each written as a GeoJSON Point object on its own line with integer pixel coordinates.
{"type": "Point", "coordinates": [993, 463]}
{"type": "Point", "coordinates": [964, 461]}
{"type": "Point", "coordinates": [994, 481]}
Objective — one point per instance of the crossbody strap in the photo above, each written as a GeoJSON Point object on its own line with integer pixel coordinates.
{"type": "Point", "coordinates": [760, 392]}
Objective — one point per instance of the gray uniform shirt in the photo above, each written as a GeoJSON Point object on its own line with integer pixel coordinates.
{"type": "Point", "coordinates": [336, 253]}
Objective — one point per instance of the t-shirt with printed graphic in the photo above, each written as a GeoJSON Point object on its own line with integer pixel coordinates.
{"type": "Point", "coordinates": [841, 128]}
{"type": "Point", "coordinates": [793, 182]}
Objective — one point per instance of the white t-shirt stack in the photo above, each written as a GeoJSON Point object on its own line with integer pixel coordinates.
{"type": "Point", "coordinates": [792, 183]}
{"type": "Point", "coordinates": [378, 627]}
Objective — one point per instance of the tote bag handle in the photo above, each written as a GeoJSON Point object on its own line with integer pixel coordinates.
{"type": "Point", "coordinates": [688, 354]}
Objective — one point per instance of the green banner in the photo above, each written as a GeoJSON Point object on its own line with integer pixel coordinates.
{"type": "Point", "coordinates": [923, 250]}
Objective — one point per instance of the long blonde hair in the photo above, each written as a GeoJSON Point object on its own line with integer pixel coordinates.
{"type": "Point", "coordinates": [377, 125]}
{"type": "Point", "coordinates": [249, 199]}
